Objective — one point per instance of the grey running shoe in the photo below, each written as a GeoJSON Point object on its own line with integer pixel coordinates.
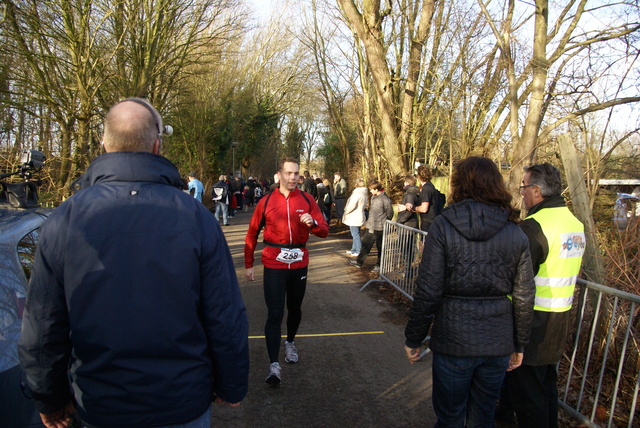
{"type": "Point", "coordinates": [290, 352]}
{"type": "Point", "coordinates": [274, 374]}
{"type": "Point", "coordinates": [375, 269]}
{"type": "Point", "coordinates": [355, 263]}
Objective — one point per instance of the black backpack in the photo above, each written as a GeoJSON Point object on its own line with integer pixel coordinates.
{"type": "Point", "coordinates": [439, 201]}
{"type": "Point", "coordinates": [263, 220]}
{"type": "Point", "coordinates": [219, 193]}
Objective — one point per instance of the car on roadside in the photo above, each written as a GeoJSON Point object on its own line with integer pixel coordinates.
{"type": "Point", "coordinates": [19, 233]}
{"type": "Point", "coordinates": [20, 220]}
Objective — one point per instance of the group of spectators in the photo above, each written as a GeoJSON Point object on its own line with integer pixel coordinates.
{"type": "Point", "coordinates": [241, 195]}
{"type": "Point", "coordinates": [134, 316]}
{"type": "Point", "coordinates": [230, 194]}
{"type": "Point", "coordinates": [327, 194]}
{"type": "Point", "coordinates": [492, 291]}
{"type": "Point", "coordinates": [417, 210]}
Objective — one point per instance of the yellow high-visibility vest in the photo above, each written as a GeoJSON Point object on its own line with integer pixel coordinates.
{"type": "Point", "coordinates": [556, 278]}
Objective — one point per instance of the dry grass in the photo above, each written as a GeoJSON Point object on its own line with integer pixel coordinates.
{"type": "Point", "coordinates": [622, 262]}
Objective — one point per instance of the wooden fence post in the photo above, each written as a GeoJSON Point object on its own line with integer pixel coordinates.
{"type": "Point", "coordinates": [592, 264]}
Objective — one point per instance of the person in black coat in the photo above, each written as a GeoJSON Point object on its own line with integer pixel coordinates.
{"type": "Point", "coordinates": [409, 217]}
{"type": "Point", "coordinates": [475, 285]}
{"type": "Point", "coordinates": [410, 200]}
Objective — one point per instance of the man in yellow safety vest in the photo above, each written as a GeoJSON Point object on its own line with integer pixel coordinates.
{"type": "Point", "coordinates": [557, 243]}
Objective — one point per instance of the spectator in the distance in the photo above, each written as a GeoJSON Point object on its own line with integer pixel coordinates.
{"type": "Point", "coordinates": [380, 211]}
{"type": "Point", "coordinates": [354, 216]}
{"type": "Point", "coordinates": [428, 194]}
{"type": "Point", "coordinates": [195, 186]}
{"type": "Point", "coordinates": [339, 194]}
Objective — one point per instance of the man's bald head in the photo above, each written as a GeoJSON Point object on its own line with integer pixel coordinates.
{"type": "Point", "coordinates": [132, 126]}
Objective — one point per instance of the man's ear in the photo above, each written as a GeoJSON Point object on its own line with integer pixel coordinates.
{"type": "Point", "coordinates": [156, 147]}
{"type": "Point", "coordinates": [538, 192]}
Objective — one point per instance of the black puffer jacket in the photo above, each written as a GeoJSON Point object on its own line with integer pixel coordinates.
{"type": "Point", "coordinates": [474, 258]}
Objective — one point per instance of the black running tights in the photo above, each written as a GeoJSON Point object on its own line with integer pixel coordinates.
{"type": "Point", "coordinates": [282, 285]}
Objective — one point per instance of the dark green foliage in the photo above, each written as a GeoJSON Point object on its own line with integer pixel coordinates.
{"type": "Point", "coordinates": [332, 155]}
{"type": "Point", "coordinates": [205, 130]}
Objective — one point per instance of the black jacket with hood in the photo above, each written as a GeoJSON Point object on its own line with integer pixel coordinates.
{"type": "Point", "coordinates": [475, 283]}
{"type": "Point", "coordinates": [134, 303]}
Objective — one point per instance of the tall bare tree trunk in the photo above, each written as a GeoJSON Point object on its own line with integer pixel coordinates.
{"type": "Point", "coordinates": [66, 136]}
{"type": "Point", "coordinates": [524, 151]}
{"type": "Point", "coordinates": [368, 27]}
{"type": "Point", "coordinates": [415, 60]}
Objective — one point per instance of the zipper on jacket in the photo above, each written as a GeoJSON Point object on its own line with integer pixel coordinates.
{"type": "Point", "coordinates": [289, 225]}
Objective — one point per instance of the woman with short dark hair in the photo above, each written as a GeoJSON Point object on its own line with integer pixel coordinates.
{"type": "Point", "coordinates": [475, 285]}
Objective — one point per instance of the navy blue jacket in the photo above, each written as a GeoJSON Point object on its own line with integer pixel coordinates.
{"type": "Point", "coordinates": [134, 305]}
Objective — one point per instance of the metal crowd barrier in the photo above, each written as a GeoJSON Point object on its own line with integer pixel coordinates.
{"type": "Point", "coordinates": [401, 255]}
{"type": "Point", "coordinates": [598, 376]}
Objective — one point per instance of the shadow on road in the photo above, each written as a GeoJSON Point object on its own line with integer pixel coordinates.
{"type": "Point", "coordinates": [352, 370]}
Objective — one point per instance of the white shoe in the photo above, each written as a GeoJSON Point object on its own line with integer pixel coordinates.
{"type": "Point", "coordinates": [290, 352]}
{"type": "Point", "coordinates": [274, 374]}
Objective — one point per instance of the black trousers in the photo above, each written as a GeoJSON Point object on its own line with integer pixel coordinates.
{"type": "Point", "coordinates": [367, 244]}
{"type": "Point", "coordinates": [533, 394]}
{"type": "Point", "coordinates": [283, 286]}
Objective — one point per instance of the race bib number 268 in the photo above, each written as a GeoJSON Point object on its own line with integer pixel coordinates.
{"type": "Point", "coordinates": [290, 255]}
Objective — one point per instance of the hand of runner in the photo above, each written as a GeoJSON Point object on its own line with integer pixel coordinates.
{"type": "Point", "coordinates": [307, 219]}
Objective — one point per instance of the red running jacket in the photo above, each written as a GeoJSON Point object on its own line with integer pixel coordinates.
{"type": "Point", "coordinates": [282, 226]}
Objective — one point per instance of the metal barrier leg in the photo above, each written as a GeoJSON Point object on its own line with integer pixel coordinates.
{"type": "Point", "coordinates": [369, 282]}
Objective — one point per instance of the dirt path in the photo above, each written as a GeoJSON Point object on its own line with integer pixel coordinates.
{"type": "Point", "coordinates": [352, 371]}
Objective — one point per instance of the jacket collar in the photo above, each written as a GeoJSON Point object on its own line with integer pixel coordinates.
{"type": "Point", "coordinates": [132, 167]}
{"type": "Point", "coordinates": [556, 201]}
{"type": "Point", "coordinates": [291, 193]}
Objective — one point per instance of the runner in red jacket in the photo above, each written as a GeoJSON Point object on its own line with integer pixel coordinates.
{"type": "Point", "coordinates": [288, 216]}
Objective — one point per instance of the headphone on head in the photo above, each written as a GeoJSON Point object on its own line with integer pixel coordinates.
{"type": "Point", "coordinates": [166, 131]}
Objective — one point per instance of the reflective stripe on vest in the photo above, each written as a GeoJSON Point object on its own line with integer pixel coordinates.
{"type": "Point", "coordinates": [556, 277]}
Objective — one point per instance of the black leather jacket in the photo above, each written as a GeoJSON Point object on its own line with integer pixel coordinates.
{"type": "Point", "coordinates": [475, 284]}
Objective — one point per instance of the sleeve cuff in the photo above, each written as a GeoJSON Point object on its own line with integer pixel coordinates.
{"type": "Point", "coordinates": [412, 345]}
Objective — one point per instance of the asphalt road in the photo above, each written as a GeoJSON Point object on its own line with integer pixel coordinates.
{"type": "Point", "coordinates": [352, 370]}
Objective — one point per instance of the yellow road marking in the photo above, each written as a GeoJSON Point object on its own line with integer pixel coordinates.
{"type": "Point", "coordinates": [355, 333]}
